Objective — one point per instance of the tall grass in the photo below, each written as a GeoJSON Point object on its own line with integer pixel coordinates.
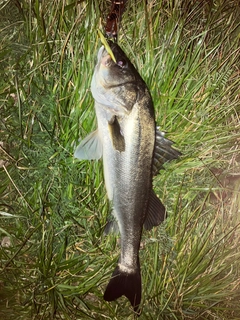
{"type": "Point", "coordinates": [55, 261]}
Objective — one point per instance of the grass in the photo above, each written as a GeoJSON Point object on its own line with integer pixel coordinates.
{"type": "Point", "coordinates": [55, 261]}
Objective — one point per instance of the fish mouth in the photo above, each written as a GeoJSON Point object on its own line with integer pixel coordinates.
{"type": "Point", "coordinates": [104, 54]}
{"type": "Point", "coordinates": [104, 57]}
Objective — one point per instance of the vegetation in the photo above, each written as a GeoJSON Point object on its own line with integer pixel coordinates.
{"type": "Point", "coordinates": [55, 260]}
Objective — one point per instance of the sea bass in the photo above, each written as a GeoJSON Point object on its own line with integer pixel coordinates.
{"type": "Point", "coordinates": [133, 151]}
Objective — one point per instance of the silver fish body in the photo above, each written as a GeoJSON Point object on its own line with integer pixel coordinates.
{"type": "Point", "coordinates": [128, 141]}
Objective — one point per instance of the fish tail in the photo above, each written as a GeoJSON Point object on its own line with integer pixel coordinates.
{"type": "Point", "coordinates": [125, 283]}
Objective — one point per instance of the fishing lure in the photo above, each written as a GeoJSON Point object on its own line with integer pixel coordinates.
{"type": "Point", "coordinates": [106, 45]}
{"type": "Point", "coordinates": [114, 17]}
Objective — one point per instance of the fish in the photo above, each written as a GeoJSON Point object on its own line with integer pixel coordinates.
{"type": "Point", "coordinates": [133, 150]}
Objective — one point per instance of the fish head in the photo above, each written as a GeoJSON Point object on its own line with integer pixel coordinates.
{"type": "Point", "coordinates": [116, 84]}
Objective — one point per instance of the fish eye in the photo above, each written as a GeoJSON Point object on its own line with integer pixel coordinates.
{"type": "Point", "coordinates": [122, 63]}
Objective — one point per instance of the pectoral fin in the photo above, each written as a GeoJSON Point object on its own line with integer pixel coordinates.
{"type": "Point", "coordinates": [116, 135]}
{"type": "Point", "coordinates": [156, 212]}
{"type": "Point", "coordinates": [163, 151]}
{"type": "Point", "coordinates": [90, 148]}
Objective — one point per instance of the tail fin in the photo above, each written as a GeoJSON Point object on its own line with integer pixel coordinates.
{"type": "Point", "coordinates": [127, 284]}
